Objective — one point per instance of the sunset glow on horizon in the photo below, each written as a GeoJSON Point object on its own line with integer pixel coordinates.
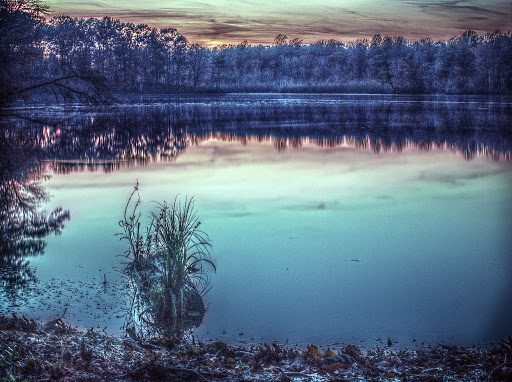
{"type": "Point", "coordinates": [218, 22]}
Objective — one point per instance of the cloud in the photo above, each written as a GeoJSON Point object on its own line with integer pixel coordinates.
{"type": "Point", "coordinates": [260, 21]}
{"type": "Point", "coordinates": [460, 15]}
{"type": "Point", "coordinates": [310, 28]}
{"type": "Point", "coordinates": [446, 8]}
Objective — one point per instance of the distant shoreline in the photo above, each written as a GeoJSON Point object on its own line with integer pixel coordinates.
{"type": "Point", "coordinates": [134, 98]}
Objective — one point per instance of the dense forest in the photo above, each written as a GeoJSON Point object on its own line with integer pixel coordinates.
{"type": "Point", "coordinates": [87, 59]}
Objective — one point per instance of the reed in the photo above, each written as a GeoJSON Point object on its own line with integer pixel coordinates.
{"type": "Point", "coordinates": [167, 258]}
{"type": "Point", "coordinates": [181, 249]}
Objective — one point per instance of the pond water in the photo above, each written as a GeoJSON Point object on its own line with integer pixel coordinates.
{"type": "Point", "coordinates": [334, 219]}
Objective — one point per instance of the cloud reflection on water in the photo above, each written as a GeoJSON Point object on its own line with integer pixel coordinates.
{"type": "Point", "coordinates": [426, 208]}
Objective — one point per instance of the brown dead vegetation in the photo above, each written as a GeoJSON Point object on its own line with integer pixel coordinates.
{"type": "Point", "coordinates": [30, 351]}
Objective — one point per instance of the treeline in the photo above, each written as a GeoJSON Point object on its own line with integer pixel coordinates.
{"type": "Point", "coordinates": [465, 64]}
{"type": "Point", "coordinates": [83, 58]}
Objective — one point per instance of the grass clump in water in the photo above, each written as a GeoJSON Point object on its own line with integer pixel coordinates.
{"type": "Point", "coordinates": [166, 268]}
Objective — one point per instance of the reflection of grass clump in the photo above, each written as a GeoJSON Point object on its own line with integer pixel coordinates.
{"type": "Point", "coordinates": [165, 269]}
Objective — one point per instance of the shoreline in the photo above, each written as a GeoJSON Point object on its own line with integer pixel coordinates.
{"type": "Point", "coordinates": [56, 351]}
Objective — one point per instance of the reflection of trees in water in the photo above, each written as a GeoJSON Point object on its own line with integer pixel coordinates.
{"type": "Point", "coordinates": [23, 227]}
{"type": "Point", "coordinates": [144, 133]}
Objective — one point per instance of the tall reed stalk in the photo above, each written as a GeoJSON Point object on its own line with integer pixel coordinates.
{"type": "Point", "coordinates": [181, 249]}
{"type": "Point", "coordinates": [166, 258]}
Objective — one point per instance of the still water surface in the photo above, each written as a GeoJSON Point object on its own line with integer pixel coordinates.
{"type": "Point", "coordinates": [314, 242]}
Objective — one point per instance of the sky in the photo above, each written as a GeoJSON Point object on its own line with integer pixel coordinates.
{"type": "Point", "coordinates": [215, 22]}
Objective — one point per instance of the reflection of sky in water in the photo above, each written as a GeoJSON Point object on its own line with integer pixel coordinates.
{"type": "Point", "coordinates": [429, 231]}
